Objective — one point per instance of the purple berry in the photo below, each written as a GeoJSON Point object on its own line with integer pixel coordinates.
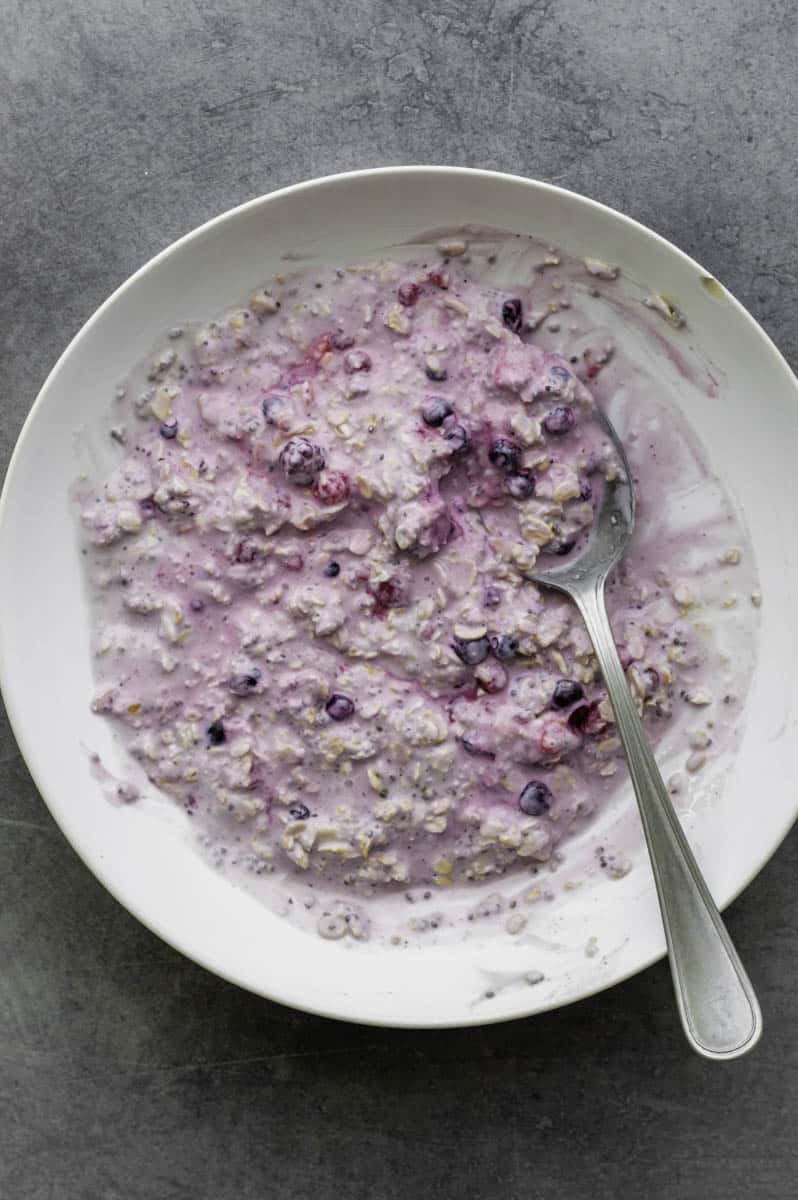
{"type": "Point", "coordinates": [332, 569]}
{"type": "Point", "coordinates": [435, 411]}
{"type": "Point", "coordinates": [273, 407]}
{"type": "Point", "coordinates": [535, 799]}
{"type": "Point", "coordinates": [558, 380]}
{"type": "Point", "coordinates": [559, 420]}
{"type": "Point", "coordinates": [168, 429]}
{"type": "Point", "coordinates": [505, 455]}
{"type": "Point", "coordinates": [471, 652]}
{"type": "Point", "coordinates": [216, 733]}
{"type": "Point", "coordinates": [299, 812]}
{"type": "Point", "coordinates": [513, 314]}
{"type": "Point", "coordinates": [504, 646]}
{"type": "Point", "coordinates": [458, 439]}
{"type": "Point", "coordinates": [339, 707]}
{"type": "Point", "coordinates": [407, 293]}
{"type": "Point", "coordinates": [566, 693]}
{"type": "Point", "coordinates": [521, 486]}
{"type": "Point", "coordinates": [301, 460]}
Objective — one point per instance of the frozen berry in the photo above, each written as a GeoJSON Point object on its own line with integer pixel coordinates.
{"type": "Point", "coordinates": [559, 420]}
{"type": "Point", "coordinates": [513, 314]}
{"type": "Point", "coordinates": [472, 651]}
{"type": "Point", "coordinates": [357, 360]}
{"type": "Point", "coordinates": [274, 406]}
{"type": "Point", "coordinates": [535, 799]}
{"type": "Point", "coordinates": [521, 485]}
{"type": "Point", "coordinates": [331, 487]}
{"type": "Point", "coordinates": [504, 646]}
{"type": "Point", "coordinates": [505, 454]}
{"type": "Point", "coordinates": [301, 460]}
{"type": "Point", "coordinates": [566, 693]}
{"type": "Point", "coordinates": [435, 411]}
{"type": "Point", "coordinates": [168, 428]}
{"type": "Point", "coordinates": [244, 683]}
{"type": "Point", "coordinates": [339, 707]}
{"type": "Point", "coordinates": [407, 293]}
{"type": "Point", "coordinates": [332, 569]}
{"type": "Point", "coordinates": [458, 439]}
{"type": "Point", "coordinates": [216, 733]}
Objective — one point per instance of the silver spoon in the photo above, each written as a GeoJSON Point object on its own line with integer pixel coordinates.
{"type": "Point", "coordinates": [717, 1004]}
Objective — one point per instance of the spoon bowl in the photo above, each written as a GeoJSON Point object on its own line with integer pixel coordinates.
{"type": "Point", "coordinates": [717, 1004]}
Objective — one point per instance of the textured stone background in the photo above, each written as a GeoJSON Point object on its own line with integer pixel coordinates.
{"type": "Point", "coordinates": [127, 1072]}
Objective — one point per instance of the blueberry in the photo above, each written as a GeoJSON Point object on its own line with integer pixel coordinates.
{"type": "Point", "coordinates": [473, 651]}
{"type": "Point", "coordinates": [558, 380]}
{"type": "Point", "coordinates": [339, 707]}
{"type": "Point", "coordinates": [505, 455]}
{"type": "Point", "coordinates": [513, 314]}
{"type": "Point", "coordinates": [216, 733]}
{"type": "Point", "coordinates": [566, 693]}
{"type": "Point", "coordinates": [273, 406]}
{"type": "Point", "coordinates": [301, 460]}
{"type": "Point", "coordinates": [504, 646]}
{"type": "Point", "coordinates": [535, 799]}
{"type": "Point", "coordinates": [332, 569]}
{"type": "Point", "coordinates": [521, 486]}
{"type": "Point", "coordinates": [435, 411]}
{"type": "Point", "coordinates": [436, 373]}
{"type": "Point", "coordinates": [458, 439]}
{"type": "Point", "coordinates": [559, 420]}
{"type": "Point", "coordinates": [168, 429]}
{"type": "Point", "coordinates": [245, 682]}
{"type": "Point", "coordinates": [559, 546]}
{"type": "Point", "coordinates": [300, 812]}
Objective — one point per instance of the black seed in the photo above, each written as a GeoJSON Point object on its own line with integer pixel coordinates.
{"type": "Point", "coordinates": [332, 569]}
{"type": "Point", "coordinates": [216, 733]}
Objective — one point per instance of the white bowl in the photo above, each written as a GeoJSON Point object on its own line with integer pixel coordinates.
{"type": "Point", "coordinates": [751, 428]}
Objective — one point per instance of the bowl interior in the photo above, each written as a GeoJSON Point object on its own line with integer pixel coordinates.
{"type": "Point", "coordinates": [750, 429]}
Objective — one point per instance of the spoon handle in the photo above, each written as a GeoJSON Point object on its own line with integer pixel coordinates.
{"type": "Point", "coordinates": [717, 1004]}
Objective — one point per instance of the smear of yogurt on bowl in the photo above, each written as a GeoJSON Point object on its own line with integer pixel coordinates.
{"type": "Point", "coordinates": [313, 625]}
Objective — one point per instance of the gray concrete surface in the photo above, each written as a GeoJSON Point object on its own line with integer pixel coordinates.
{"type": "Point", "coordinates": [128, 1073]}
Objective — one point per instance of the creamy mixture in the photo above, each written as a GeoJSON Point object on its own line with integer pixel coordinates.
{"type": "Point", "coordinates": [315, 627]}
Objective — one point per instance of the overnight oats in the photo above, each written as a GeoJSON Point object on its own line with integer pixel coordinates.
{"type": "Point", "coordinates": [314, 627]}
